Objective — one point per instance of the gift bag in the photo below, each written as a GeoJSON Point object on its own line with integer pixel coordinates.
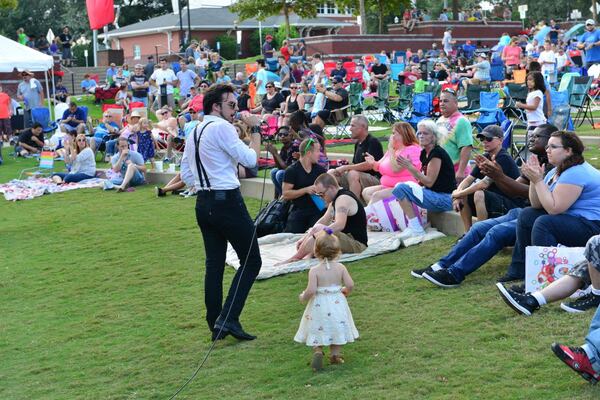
{"type": "Point", "coordinates": [544, 265]}
{"type": "Point", "coordinates": [387, 216]}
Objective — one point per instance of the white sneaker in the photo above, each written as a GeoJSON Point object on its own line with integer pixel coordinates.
{"type": "Point", "coordinates": [108, 185]}
{"type": "Point", "coordinates": [411, 233]}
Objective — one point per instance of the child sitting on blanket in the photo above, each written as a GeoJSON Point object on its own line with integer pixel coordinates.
{"type": "Point", "coordinates": [327, 320]}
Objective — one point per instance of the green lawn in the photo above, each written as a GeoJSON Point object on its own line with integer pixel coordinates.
{"type": "Point", "coordinates": [101, 298]}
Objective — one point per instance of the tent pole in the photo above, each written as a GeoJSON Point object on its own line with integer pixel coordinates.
{"type": "Point", "coordinates": [53, 86]}
{"type": "Point", "coordinates": [48, 93]}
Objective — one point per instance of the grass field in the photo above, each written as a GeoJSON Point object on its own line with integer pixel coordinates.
{"type": "Point", "coordinates": [101, 297]}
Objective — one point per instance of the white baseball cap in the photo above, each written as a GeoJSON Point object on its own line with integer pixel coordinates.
{"type": "Point", "coordinates": [590, 22]}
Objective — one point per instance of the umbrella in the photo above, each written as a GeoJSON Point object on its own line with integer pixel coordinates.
{"type": "Point", "coordinates": [50, 36]}
{"type": "Point", "coordinates": [575, 31]}
{"type": "Point", "coordinates": [541, 35]}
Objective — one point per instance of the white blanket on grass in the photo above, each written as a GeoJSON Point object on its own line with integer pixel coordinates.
{"type": "Point", "coordinates": [281, 246]}
{"type": "Point", "coordinates": [31, 188]}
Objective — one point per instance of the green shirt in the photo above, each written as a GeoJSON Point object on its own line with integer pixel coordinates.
{"type": "Point", "coordinates": [23, 39]}
{"type": "Point", "coordinates": [459, 135]}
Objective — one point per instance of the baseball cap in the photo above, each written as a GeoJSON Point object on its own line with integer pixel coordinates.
{"type": "Point", "coordinates": [268, 37]}
{"type": "Point", "coordinates": [491, 131]}
{"type": "Point", "coordinates": [136, 113]}
{"type": "Point", "coordinates": [590, 22]}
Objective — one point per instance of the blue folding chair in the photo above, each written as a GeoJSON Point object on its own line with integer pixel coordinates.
{"type": "Point", "coordinates": [561, 110]}
{"type": "Point", "coordinates": [489, 113]}
{"type": "Point", "coordinates": [42, 115]}
{"type": "Point", "coordinates": [396, 69]}
{"type": "Point", "coordinates": [507, 127]}
{"type": "Point", "coordinates": [422, 107]}
{"type": "Point", "coordinates": [271, 64]}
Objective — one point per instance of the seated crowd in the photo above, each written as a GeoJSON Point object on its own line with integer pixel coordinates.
{"type": "Point", "coordinates": [552, 199]}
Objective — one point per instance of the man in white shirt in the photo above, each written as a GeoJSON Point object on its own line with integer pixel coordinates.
{"type": "Point", "coordinates": [214, 151]}
{"type": "Point", "coordinates": [164, 79]}
{"type": "Point", "coordinates": [447, 41]}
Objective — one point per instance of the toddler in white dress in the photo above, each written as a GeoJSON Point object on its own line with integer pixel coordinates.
{"type": "Point", "coordinates": [327, 320]}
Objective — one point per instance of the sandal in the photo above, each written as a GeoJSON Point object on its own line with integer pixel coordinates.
{"type": "Point", "coordinates": [336, 359]}
{"type": "Point", "coordinates": [317, 362]}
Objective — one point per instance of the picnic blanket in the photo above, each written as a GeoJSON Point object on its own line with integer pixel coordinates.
{"type": "Point", "coordinates": [281, 246]}
{"type": "Point", "coordinates": [31, 188]}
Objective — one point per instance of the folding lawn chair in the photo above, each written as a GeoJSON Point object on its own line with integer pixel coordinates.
{"type": "Point", "coordinates": [515, 93]}
{"type": "Point", "coordinates": [422, 107]}
{"type": "Point", "coordinates": [42, 115]}
{"type": "Point", "coordinates": [473, 98]}
{"type": "Point", "coordinates": [489, 113]}
{"type": "Point", "coordinates": [561, 110]}
{"type": "Point", "coordinates": [507, 128]}
{"type": "Point", "coordinates": [580, 100]}
{"type": "Point", "coordinates": [355, 97]}
{"type": "Point", "coordinates": [45, 168]}
{"type": "Point", "coordinates": [404, 97]}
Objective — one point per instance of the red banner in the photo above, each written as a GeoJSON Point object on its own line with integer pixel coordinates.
{"type": "Point", "coordinates": [100, 13]}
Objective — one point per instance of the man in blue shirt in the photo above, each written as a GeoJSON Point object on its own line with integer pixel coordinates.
{"type": "Point", "coordinates": [72, 118]}
{"type": "Point", "coordinates": [590, 42]}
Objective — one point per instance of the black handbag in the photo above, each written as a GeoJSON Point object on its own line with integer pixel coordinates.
{"type": "Point", "coordinates": [272, 218]}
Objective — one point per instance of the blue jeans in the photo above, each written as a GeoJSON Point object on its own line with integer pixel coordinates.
{"type": "Point", "coordinates": [111, 145]}
{"type": "Point", "coordinates": [76, 177]}
{"type": "Point", "coordinates": [592, 342]}
{"type": "Point", "coordinates": [432, 201]}
{"type": "Point", "coordinates": [483, 241]}
{"type": "Point", "coordinates": [277, 178]}
{"type": "Point", "coordinates": [536, 228]}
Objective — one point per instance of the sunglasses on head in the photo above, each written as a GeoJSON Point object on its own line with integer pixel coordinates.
{"type": "Point", "coordinates": [449, 90]}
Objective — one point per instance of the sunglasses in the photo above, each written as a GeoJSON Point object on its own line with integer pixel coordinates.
{"type": "Point", "coordinates": [283, 133]}
{"type": "Point", "coordinates": [231, 104]}
{"type": "Point", "coordinates": [193, 112]}
{"type": "Point", "coordinates": [108, 116]}
{"type": "Point", "coordinates": [293, 87]}
{"type": "Point", "coordinates": [487, 139]}
{"type": "Point", "coordinates": [81, 140]}
{"type": "Point", "coordinates": [269, 87]}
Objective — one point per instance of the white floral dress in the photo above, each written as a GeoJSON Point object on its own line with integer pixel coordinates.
{"type": "Point", "coordinates": [327, 319]}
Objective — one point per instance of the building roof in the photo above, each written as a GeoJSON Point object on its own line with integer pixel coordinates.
{"type": "Point", "coordinates": [217, 18]}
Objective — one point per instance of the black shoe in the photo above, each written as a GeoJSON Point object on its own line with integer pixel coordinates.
{"type": "Point", "coordinates": [524, 304]}
{"type": "Point", "coordinates": [582, 304]}
{"type": "Point", "coordinates": [518, 288]}
{"type": "Point", "coordinates": [418, 273]}
{"type": "Point", "coordinates": [441, 278]}
{"type": "Point", "coordinates": [231, 328]}
{"type": "Point", "coordinates": [159, 192]}
{"type": "Point", "coordinates": [508, 278]}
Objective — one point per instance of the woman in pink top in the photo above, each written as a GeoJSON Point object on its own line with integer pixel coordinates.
{"type": "Point", "coordinates": [403, 142]}
{"type": "Point", "coordinates": [511, 55]}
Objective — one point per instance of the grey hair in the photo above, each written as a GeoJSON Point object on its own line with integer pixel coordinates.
{"type": "Point", "coordinates": [361, 119]}
{"type": "Point", "coordinates": [430, 126]}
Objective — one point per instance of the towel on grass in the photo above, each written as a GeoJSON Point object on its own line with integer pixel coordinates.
{"type": "Point", "coordinates": [281, 246]}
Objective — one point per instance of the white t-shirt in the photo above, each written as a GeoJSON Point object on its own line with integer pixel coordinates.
{"type": "Point", "coordinates": [161, 76]}
{"type": "Point", "coordinates": [318, 69]}
{"type": "Point", "coordinates": [446, 42]}
{"type": "Point", "coordinates": [547, 56]}
{"type": "Point", "coordinates": [561, 61]}
{"type": "Point", "coordinates": [537, 116]}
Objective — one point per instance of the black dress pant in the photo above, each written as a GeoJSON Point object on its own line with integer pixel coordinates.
{"type": "Point", "coordinates": [222, 217]}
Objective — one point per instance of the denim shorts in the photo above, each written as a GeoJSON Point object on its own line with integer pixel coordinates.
{"type": "Point", "coordinates": [137, 180]}
{"type": "Point", "coordinates": [432, 201]}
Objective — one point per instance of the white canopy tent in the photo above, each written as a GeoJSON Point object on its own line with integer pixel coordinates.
{"type": "Point", "coordinates": [15, 55]}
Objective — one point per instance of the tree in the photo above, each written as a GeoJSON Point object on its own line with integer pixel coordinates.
{"type": "Point", "coordinates": [261, 9]}
{"type": "Point", "coordinates": [10, 4]}
{"type": "Point", "coordinates": [382, 8]}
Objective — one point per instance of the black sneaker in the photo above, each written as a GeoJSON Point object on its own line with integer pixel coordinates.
{"type": "Point", "coordinates": [524, 304]}
{"type": "Point", "coordinates": [518, 288]}
{"type": "Point", "coordinates": [159, 192]}
{"type": "Point", "coordinates": [508, 278]}
{"type": "Point", "coordinates": [441, 278]}
{"type": "Point", "coordinates": [418, 273]}
{"type": "Point", "coordinates": [582, 304]}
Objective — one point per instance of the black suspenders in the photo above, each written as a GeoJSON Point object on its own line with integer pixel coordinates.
{"type": "Point", "coordinates": [202, 175]}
